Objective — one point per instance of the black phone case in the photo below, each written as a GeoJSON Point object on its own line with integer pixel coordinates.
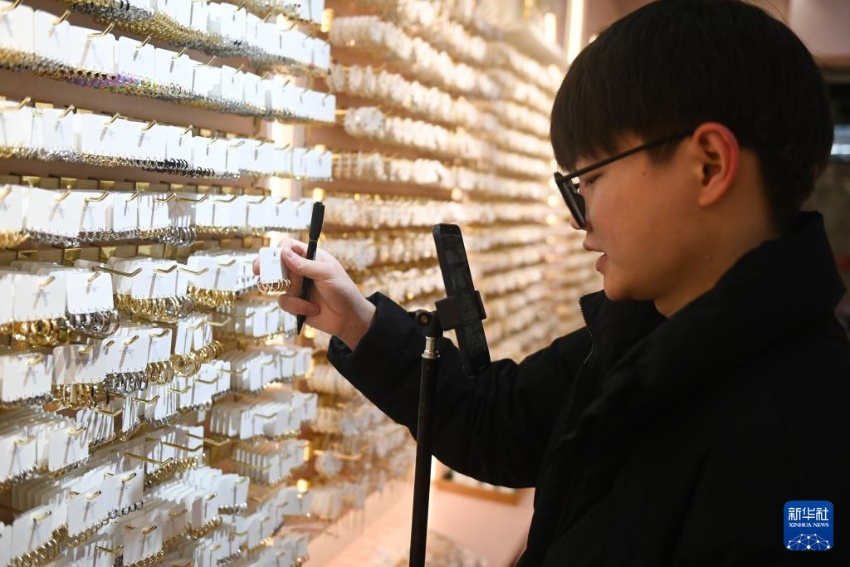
{"type": "Point", "coordinates": [454, 265]}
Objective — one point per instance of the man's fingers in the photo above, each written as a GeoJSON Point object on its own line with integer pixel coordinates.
{"type": "Point", "coordinates": [297, 306]}
{"type": "Point", "coordinates": [305, 267]}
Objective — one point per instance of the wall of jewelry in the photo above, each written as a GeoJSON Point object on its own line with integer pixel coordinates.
{"type": "Point", "coordinates": [152, 407]}
{"type": "Point", "coordinates": [440, 120]}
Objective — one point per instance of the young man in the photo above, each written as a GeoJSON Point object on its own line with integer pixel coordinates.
{"type": "Point", "coordinates": [711, 385]}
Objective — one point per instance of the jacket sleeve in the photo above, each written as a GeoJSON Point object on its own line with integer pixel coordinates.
{"type": "Point", "coordinates": [495, 426]}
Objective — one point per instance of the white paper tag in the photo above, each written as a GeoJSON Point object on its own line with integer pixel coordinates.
{"type": "Point", "coordinates": [25, 376]}
{"type": "Point", "coordinates": [54, 212]}
{"type": "Point", "coordinates": [99, 53]}
{"type": "Point", "coordinates": [39, 297]}
{"type": "Point", "coordinates": [200, 16]}
{"type": "Point", "coordinates": [53, 39]}
{"type": "Point", "coordinates": [159, 349]}
{"type": "Point", "coordinates": [96, 212]}
{"type": "Point", "coordinates": [16, 126]}
{"type": "Point", "coordinates": [16, 28]}
{"type": "Point", "coordinates": [206, 80]}
{"type": "Point", "coordinates": [57, 129]}
{"type": "Point", "coordinates": [271, 265]}
{"type": "Point", "coordinates": [12, 199]}
{"type": "Point", "coordinates": [136, 61]}
{"type": "Point", "coordinates": [125, 212]}
{"type": "Point", "coordinates": [146, 141]}
{"type": "Point", "coordinates": [88, 292]}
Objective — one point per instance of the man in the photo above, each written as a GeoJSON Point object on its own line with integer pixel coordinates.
{"type": "Point", "coordinates": [711, 385]}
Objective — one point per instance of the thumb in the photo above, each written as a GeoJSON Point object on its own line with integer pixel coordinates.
{"type": "Point", "coordinates": [304, 267]}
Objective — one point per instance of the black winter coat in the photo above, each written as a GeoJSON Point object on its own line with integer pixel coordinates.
{"type": "Point", "coordinates": [651, 441]}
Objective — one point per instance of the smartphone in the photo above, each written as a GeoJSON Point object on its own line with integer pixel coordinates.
{"type": "Point", "coordinates": [465, 301]}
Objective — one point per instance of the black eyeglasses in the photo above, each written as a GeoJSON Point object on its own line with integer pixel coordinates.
{"type": "Point", "coordinates": [570, 190]}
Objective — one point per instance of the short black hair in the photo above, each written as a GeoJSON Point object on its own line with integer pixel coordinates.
{"type": "Point", "coordinates": [675, 64]}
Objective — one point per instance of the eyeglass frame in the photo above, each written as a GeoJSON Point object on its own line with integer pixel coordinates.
{"type": "Point", "coordinates": [570, 191]}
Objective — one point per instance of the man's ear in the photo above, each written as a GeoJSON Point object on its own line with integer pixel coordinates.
{"type": "Point", "coordinates": [717, 154]}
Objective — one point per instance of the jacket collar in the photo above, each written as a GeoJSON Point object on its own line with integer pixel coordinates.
{"type": "Point", "coordinates": [772, 289]}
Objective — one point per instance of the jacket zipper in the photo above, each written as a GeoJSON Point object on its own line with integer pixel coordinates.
{"type": "Point", "coordinates": [581, 369]}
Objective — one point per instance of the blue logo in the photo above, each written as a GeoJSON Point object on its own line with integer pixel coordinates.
{"type": "Point", "coordinates": [809, 525]}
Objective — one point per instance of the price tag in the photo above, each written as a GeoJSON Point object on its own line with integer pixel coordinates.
{"type": "Point", "coordinates": [16, 28]}
{"type": "Point", "coordinates": [232, 23]}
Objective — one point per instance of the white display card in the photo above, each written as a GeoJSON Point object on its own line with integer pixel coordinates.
{"type": "Point", "coordinates": [99, 52]}
{"type": "Point", "coordinates": [125, 212]}
{"type": "Point", "coordinates": [25, 376]}
{"type": "Point", "coordinates": [135, 60]}
{"type": "Point", "coordinates": [16, 126]}
{"type": "Point", "coordinates": [12, 199]}
{"type": "Point", "coordinates": [39, 297]}
{"type": "Point", "coordinates": [16, 28]}
{"type": "Point", "coordinates": [53, 39]}
{"type": "Point", "coordinates": [146, 141]}
{"type": "Point", "coordinates": [271, 265]}
{"type": "Point", "coordinates": [57, 127]}
{"type": "Point", "coordinates": [88, 292]}
{"type": "Point", "coordinates": [55, 212]}
{"type": "Point", "coordinates": [159, 349]}
{"type": "Point", "coordinates": [96, 212]}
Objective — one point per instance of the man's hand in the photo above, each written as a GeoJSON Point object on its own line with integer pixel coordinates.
{"type": "Point", "coordinates": [336, 305]}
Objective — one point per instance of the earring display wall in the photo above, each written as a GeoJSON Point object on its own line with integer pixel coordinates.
{"type": "Point", "coordinates": [156, 405]}
{"type": "Point", "coordinates": [441, 121]}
